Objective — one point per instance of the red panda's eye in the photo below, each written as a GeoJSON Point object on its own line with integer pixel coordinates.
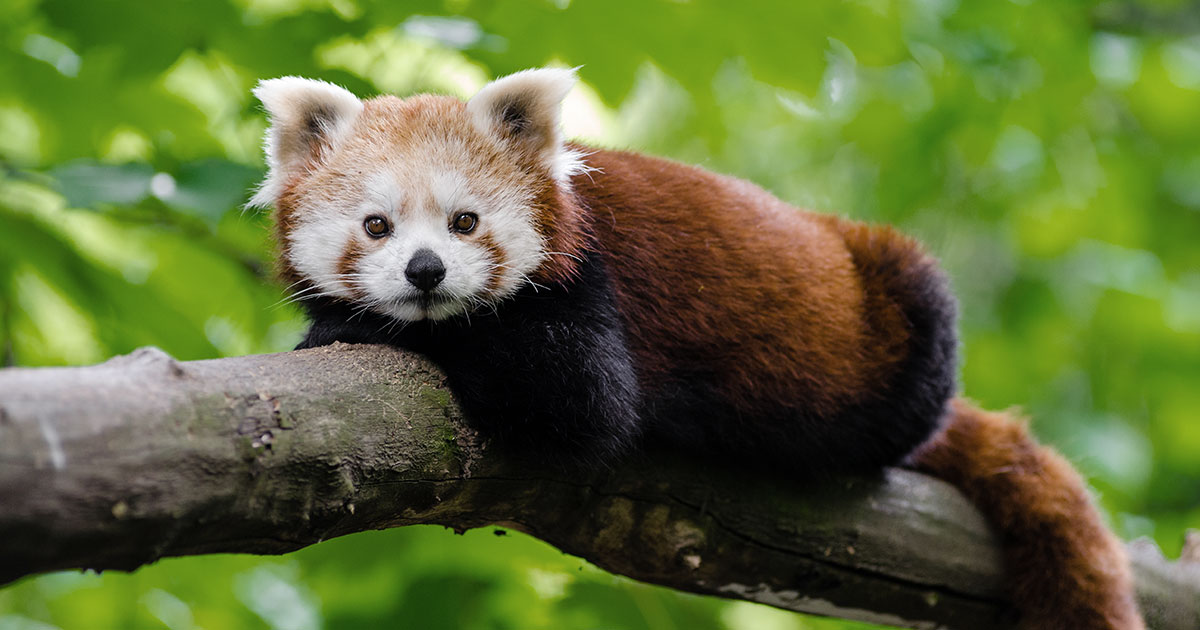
{"type": "Point", "coordinates": [377, 227]}
{"type": "Point", "coordinates": [465, 222]}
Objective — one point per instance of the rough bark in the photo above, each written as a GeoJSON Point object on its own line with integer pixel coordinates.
{"type": "Point", "coordinates": [116, 465]}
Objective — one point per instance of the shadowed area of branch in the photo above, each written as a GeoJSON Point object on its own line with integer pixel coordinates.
{"type": "Point", "coordinates": [116, 465]}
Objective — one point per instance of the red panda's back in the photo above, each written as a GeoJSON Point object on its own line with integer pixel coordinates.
{"type": "Point", "coordinates": [720, 280]}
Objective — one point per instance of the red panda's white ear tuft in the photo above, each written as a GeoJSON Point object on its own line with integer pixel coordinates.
{"type": "Point", "coordinates": [524, 110]}
{"type": "Point", "coordinates": [308, 118]}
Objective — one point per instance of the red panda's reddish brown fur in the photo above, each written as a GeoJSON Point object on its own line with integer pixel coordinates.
{"type": "Point", "coordinates": [1066, 570]}
{"type": "Point", "coordinates": [651, 214]}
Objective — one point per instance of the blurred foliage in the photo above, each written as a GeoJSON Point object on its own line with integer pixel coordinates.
{"type": "Point", "coordinates": [1048, 151]}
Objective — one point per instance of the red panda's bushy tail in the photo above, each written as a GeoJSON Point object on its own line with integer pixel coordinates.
{"type": "Point", "coordinates": [1066, 570]}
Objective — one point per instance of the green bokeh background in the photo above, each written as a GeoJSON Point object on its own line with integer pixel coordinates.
{"type": "Point", "coordinates": [1048, 152]}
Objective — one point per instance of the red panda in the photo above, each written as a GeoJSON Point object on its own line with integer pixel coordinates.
{"type": "Point", "coordinates": [585, 303]}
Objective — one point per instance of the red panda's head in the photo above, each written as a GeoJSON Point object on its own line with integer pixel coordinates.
{"type": "Point", "coordinates": [426, 207]}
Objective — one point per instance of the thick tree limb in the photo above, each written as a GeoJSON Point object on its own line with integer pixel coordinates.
{"type": "Point", "coordinates": [116, 465]}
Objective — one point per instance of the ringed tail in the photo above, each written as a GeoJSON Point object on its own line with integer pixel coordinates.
{"type": "Point", "coordinates": [1066, 570]}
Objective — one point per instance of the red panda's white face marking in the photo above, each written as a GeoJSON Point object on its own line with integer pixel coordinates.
{"type": "Point", "coordinates": [417, 166]}
{"type": "Point", "coordinates": [421, 202]}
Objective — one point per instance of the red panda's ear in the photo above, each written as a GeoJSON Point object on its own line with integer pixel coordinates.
{"type": "Point", "coordinates": [308, 118]}
{"type": "Point", "coordinates": [524, 110]}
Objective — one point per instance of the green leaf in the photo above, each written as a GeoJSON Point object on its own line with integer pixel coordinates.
{"type": "Point", "coordinates": [86, 183]}
{"type": "Point", "coordinates": [210, 188]}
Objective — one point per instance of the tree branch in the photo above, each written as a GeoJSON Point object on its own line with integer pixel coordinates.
{"type": "Point", "coordinates": [117, 465]}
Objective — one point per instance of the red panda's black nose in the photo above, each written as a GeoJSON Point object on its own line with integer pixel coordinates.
{"type": "Point", "coordinates": [425, 270]}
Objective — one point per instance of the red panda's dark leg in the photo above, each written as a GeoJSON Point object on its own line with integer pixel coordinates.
{"type": "Point", "coordinates": [335, 321]}
{"type": "Point", "coordinates": [547, 374]}
{"type": "Point", "coordinates": [1066, 570]}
